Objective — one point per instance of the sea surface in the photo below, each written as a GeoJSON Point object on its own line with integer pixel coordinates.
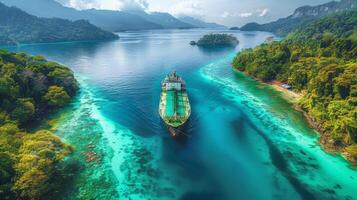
{"type": "Point", "coordinates": [244, 141]}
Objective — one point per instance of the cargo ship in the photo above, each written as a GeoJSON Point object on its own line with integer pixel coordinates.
{"type": "Point", "coordinates": [174, 108]}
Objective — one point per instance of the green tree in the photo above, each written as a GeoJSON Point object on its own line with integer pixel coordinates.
{"type": "Point", "coordinates": [352, 151]}
{"type": "Point", "coordinates": [57, 96]}
{"type": "Point", "coordinates": [38, 156]}
{"type": "Point", "coordinates": [23, 111]}
{"type": "Point", "coordinates": [320, 60]}
{"type": "Point", "coordinates": [28, 162]}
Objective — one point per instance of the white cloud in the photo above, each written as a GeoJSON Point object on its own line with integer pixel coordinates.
{"type": "Point", "coordinates": [107, 4]}
{"type": "Point", "coordinates": [263, 12]}
{"type": "Point", "coordinates": [254, 13]}
{"type": "Point", "coordinates": [133, 5]}
{"type": "Point", "coordinates": [246, 14]}
{"type": "Point", "coordinates": [227, 14]}
{"type": "Point", "coordinates": [187, 7]}
{"type": "Point", "coordinates": [81, 4]}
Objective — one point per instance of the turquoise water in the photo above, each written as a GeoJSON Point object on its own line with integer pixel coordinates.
{"type": "Point", "coordinates": [170, 103]}
{"type": "Point", "coordinates": [245, 141]}
{"type": "Point", "coordinates": [174, 99]}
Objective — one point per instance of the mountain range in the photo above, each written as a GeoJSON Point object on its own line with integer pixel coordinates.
{"type": "Point", "coordinates": [300, 17]}
{"type": "Point", "coordinates": [17, 26]}
{"type": "Point", "coordinates": [199, 23]}
{"type": "Point", "coordinates": [114, 21]}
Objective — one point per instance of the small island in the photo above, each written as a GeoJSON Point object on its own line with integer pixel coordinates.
{"type": "Point", "coordinates": [193, 43]}
{"type": "Point", "coordinates": [216, 40]}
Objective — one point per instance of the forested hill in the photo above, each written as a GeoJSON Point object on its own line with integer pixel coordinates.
{"type": "Point", "coordinates": [300, 17]}
{"type": "Point", "coordinates": [320, 61]}
{"type": "Point", "coordinates": [16, 27]}
{"type": "Point", "coordinates": [342, 25]}
{"type": "Point", "coordinates": [199, 23]}
{"type": "Point", "coordinates": [32, 165]}
{"type": "Point", "coordinates": [110, 20]}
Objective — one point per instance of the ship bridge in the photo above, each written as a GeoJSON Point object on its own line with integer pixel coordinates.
{"type": "Point", "coordinates": [173, 82]}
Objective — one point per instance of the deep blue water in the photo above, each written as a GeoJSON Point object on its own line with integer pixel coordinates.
{"type": "Point", "coordinates": [245, 141]}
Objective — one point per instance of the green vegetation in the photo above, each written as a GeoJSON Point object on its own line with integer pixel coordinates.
{"type": "Point", "coordinates": [320, 61]}
{"type": "Point", "coordinates": [30, 87]}
{"type": "Point", "coordinates": [217, 40]}
{"type": "Point", "coordinates": [57, 96]}
{"type": "Point", "coordinates": [18, 27]}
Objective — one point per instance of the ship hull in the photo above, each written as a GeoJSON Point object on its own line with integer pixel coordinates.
{"type": "Point", "coordinates": [174, 107]}
{"type": "Point", "coordinates": [177, 132]}
{"type": "Point", "coordinates": [176, 122]}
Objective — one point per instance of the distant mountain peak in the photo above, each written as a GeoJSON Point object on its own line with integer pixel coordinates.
{"type": "Point", "coordinates": [324, 9]}
{"type": "Point", "coordinates": [106, 19]}
{"type": "Point", "coordinates": [19, 27]}
{"type": "Point", "coordinates": [199, 23]}
{"type": "Point", "coordinates": [301, 16]}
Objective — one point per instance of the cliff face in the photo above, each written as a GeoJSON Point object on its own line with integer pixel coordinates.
{"type": "Point", "coordinates": [324, 9]}
{"type": "Point", "coordinates": [300, 17]}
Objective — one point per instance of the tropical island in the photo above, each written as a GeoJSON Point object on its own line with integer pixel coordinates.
{"type": "Point", "coordinates": [216, 40]}
{"type": "Point", "coordinates": [31, 162]}
{"type": "Point", "coordinates": [19, 27]}
{"type": "Point", "coordinates": [320, 62]}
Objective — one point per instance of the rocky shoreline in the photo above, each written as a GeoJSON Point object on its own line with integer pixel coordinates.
{"type": "Point", "coordinates": [327, 144]}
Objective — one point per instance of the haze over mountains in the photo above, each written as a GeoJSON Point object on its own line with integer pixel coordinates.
{"type": "Point", "coordinates": [17, 27]}
{"type": "Point", "coordinates": [108, 20]}
{"type": "Point", "coordinates": [200, 23]}
{"type": "Point", "coordinates": [166, 20]}
{"type": "Point", "coordinates": [34, 21]}
{"type": "Point", "coordinates": [301, 16]}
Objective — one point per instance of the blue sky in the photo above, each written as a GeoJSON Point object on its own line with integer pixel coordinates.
{"type": "Point", "coordinates": [227, 12]}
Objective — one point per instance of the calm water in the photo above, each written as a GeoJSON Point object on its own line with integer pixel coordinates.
{"type": "Point", "coordinates": [245, 141]}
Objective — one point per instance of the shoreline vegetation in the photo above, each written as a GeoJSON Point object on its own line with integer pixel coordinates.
{"type": "Point", "coordinates": [294, 98]}
{"type": "Point", "coordinates": [318, 61]}
{"type": "Point", "coordinates": [289, 95]}
{"type": "Point", "coordinates": [32, 161]}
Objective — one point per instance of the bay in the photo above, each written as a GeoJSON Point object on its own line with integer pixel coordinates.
{"type": "Point", "coordinates": [245, 141]}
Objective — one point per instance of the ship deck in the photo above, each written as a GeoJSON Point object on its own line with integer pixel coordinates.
{"type": "Point", "coordinates": [174, 107]}
{"type": "Point", "coordinates": [174, 104]}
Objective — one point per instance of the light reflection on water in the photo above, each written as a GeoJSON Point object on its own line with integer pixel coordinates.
{"type": "Point", "coordinates": [246, 142]}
